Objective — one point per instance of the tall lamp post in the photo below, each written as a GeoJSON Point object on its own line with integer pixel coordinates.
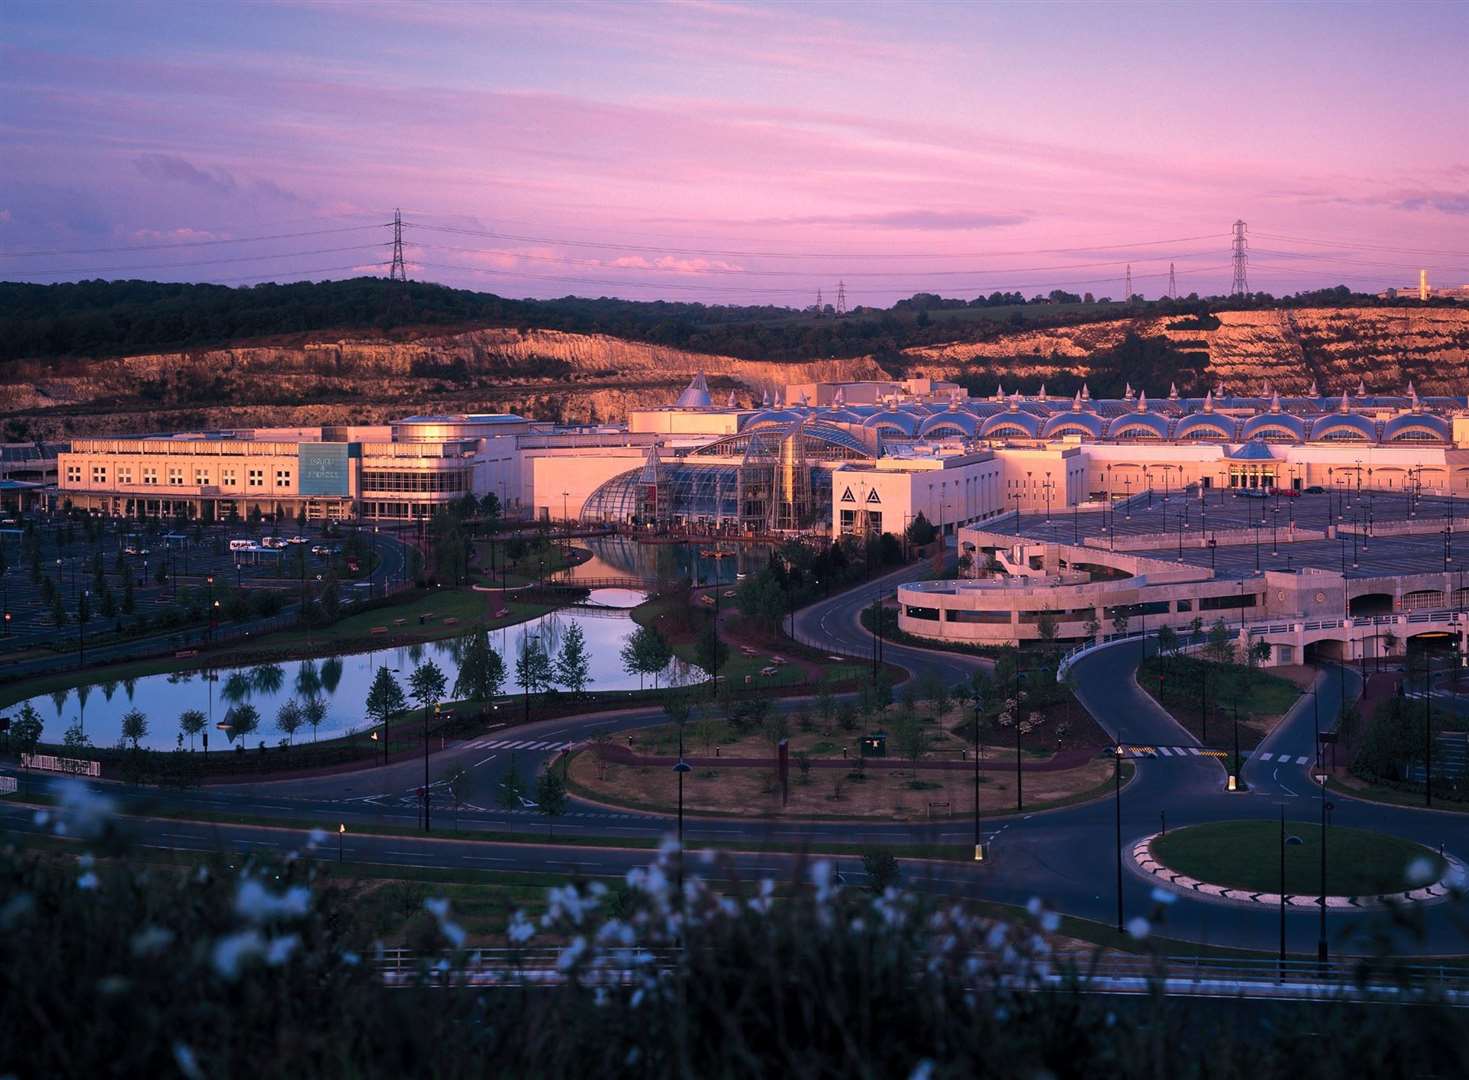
{"type": "Point", "coordinates": [1117, 804]}
{"type": "Point", "coordinates": [978, 836]}
{"type": "Point", "coordinates": [1326, 808]}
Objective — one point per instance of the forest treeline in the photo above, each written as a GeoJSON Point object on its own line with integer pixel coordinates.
{"type": "Point", "coordinates": [112, 318]}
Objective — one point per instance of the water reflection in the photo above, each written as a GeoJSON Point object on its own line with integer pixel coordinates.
{"type": "Point", "coordinates": [622, 557]}
{"type": "Point", "coordinates": [338, 683]}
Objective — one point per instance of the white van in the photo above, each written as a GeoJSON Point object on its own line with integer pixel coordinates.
{"type": "Point", "coordinates": [241, 545]}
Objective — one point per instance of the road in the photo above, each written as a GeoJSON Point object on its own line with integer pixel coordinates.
{"type": "Point", "coordinates": [1066, 856]}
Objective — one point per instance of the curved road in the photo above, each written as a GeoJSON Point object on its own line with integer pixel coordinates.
{"type": "Point", "coordinates": [1066, 856]}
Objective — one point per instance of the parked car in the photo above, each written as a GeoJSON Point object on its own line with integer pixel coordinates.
{"type": "Point", "coordinates": [1287, 493]}
{"type": "Point", "coordinates": [275, 543]}
{"type": "Point", "coordinates": [298, 539]}
{"type": "Point", "coordinates": [1251, 493]}
{"type": "Point", "coordinates": [1315, 489]}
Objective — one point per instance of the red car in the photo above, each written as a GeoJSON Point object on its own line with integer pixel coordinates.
{"type": "Point", "coordinates": [1287, 493]}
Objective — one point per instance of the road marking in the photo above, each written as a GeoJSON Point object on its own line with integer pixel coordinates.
{"type": "Point", "coordinates": [486, 761]}
{"type": "Point", "coordinates": [1265, 757]}
{"type": "Point", "coordinates": [1301, 760]}
{"type": "Point", "coordinates": [483, 858]}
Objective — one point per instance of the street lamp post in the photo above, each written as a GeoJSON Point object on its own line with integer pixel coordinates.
{"type": "Point", "coordinates": [1325, 811]}
{"type": "Point", "coordinates": [1117, 803]}
{"type": "Point", "coordinates": [427, 796]}
{"type": "Point", "coordinates": [341, 832]}
{"type": "Point", "coordinates": [978, 837]}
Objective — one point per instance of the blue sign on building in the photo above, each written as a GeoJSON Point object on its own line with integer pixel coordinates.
{"type": "Point", "coordinates": [323, 468]}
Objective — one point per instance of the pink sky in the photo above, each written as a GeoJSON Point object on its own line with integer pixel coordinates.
{"type": "Point", "coordinates": [737, 153]}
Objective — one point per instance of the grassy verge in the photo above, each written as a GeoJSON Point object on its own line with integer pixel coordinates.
{"type": "Point", "coordinates": [1358, 788]}
{"type": "Point", "coordinates": [1179, 685]}
{"type": "Point", "coordinates": [1246, 855]}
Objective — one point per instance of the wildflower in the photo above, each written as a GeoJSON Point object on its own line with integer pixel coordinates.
{"type": "Point", "coordinates": [922, 1071]}
{"type": "Point", "coordinates": [255, 903]}
{"type": "Point", "coordinates": [315, 838]}
{"type": "Point", "coordinates": [520, 929]}
{"type": "Point", "coordinates": [41, 819]}
{"type": "Point", "coordinates": [84, 812]}
{"type": "Point", "coordinates": [1139, 927]}
{"type": "Point", "coordinates": [87, 881]}
{"type": "Point", "coordinates": [1034, 905]}
{"type": "Point", "coordinates": [151, 940]}
{"type": "Point", "coordinates": [822, 873]}
{"type": "Point", "coordinates": [86, 861]}
{"type": "Point", "coordinates": [1163, 896]}
{"type": "Point", "coordinates": [186, 1061]}
{"type": "Point", "coordinates": [280, 949]}
{"type": "Point", "coordinates": [571, 954]}
{"type": "Point", "coordinates": [438, 907]}
{"type": "Point", "coordinates": [351, 959]}
{"type": "Point", "coordinates": [234, 949]}
{"type": "Point", "coordinates": [1050, 922]}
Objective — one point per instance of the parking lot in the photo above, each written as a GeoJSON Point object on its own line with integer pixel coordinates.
{"type": "Point", "coordinates": [169, 572]}
{"type": "Point", "coordinates": [1255, 532]}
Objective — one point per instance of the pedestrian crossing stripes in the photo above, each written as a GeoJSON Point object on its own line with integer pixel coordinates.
{"type": "Point", "coordinates": [1284, 759]}
{"type": "Point", "coordinates": [521, 744]}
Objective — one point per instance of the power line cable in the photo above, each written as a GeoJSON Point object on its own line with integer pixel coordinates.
{"type": "Point", "coordinates": [192, 243]}
{"type": "Point", "coordinates": [84, 270]}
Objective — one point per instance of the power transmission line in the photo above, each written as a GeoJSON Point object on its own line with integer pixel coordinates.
{"type": "Point", "coordinates": [398, 272]}
{"type": "Point", "coordinates": [1241, 284]}
{"type": "Point", "coordinates": [188, 243]}
{"type": "Point", "coordinates": [84, 270]}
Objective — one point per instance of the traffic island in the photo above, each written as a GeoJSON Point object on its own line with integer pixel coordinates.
{"type": "Point", "coordinates": [1240, 862]}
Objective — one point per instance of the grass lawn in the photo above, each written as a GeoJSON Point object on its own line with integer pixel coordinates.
{"type": "Point", "coordinates": [1262, 698]}
{"type": "Point", "coordinates": [527, 569]}
{"type": "Point", "coordinates": [1246, 855]}
{"type": "Point", "coordinates": [845, 792]}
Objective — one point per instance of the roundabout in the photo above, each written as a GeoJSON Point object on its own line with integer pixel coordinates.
{"type": "Point", "coordinates": [1254, 862]}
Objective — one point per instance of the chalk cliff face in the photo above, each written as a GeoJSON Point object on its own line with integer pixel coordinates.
{"type": "Point", "coordinates": [1249, 352]}
{"type": "Point", "coordinates": [540, 373]}
{"type": "Point", "coordinates": [577, 377]}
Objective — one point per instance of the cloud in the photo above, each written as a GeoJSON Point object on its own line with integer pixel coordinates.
{"type": "Point", "coordinates": [1445, 202]}
{"type": "Point", "coordinates": [170, 168]}
{"type": "Point", "coordinates": [935, 220]}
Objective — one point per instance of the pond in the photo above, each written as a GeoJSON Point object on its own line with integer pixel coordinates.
{"type": "Point", "coordinates": [340, 682]}
{"type": "Point", "coordinates": [623, 556]}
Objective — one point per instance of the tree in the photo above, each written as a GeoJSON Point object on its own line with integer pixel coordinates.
{"type": "Point", "coordinates": [921, 531]}
{"type": "Point", "coordinates": [129, 602]}
{"type": "Point", "coordinates": [427, 685]}
{"type": "Point", "coordinates": [1219, 646]}
{"type": "Point", "coordinates": [1259, 651]}
{"type": "Point", "coordinates": [58, 610]}
{"type": "Point", "coordinates": [882, 870]}
{"type": "Point", "coordinates": [459, 788]}
{"type": "Point", "coordinates": [385, 700]}
{"type": "Point", "coordinates": [134, 726]}
{"type": "Point", "coordinates": [313, 711]}
{"type": "Point", "coordinates": [481, 671]}
{"type": "Point", "coordinates": [709, 651]}
{"type": "Point", "coordinates": [645, 653]}
{"type": "Point", "coordinates": [532, 666]}
{"type": "Point", "coordinates": [84, 608]}
{"type": "Point", "coordinates": [241, 720]}
{"type": "Point", "coordinates": [512, 788]}
{"type": "Point", "coordinates": [1045, 626]}
{"type": "Point", "coordinates": [551, 797]}
{"type": "Point", "coordinates": [1167, 640]}
{"type": "Point", "coordinates": [191, 722]}
{"type": "Point", "coordinates": [26, 729]}
{"type": "Point", "coordinates": [75, 739]}
{"type": "Point", "coordinates": [289, 719]}
{"type": "Point", "coordinates": [826, 708]}
{"type": "Point", "coordinates": [574, 663]}
{"type": "Point", "coordinates": [1119, 620]}
{"type": "Point", "coordinates": [911, 738]}
{"type": "Point", "coordinates": [1389, 643]}
{"type": "Point", "coordinates": [106, 602]}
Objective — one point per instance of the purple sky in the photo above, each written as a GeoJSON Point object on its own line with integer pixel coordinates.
{"type": "Point", "coordinates": [727, 152]}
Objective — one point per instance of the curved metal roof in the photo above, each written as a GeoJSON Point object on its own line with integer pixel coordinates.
{"type": "Point", "coordinates": [1149, 424]}
{"type": "Point", "coordinates": [773, 416]}
{"type": "Point", "coordinates": [956, 422]}
{"type": "Point", "coordinates": [1074, 423]}
{"type": "Point", "coordinates": [1202, 425]}
{"type": "Point", "coordinates": [1351, 427]}
{"type": "Point", "coordinates": [1024, 424]}
{"type": "Point", "coordinates": [1264, 424]}
{"type": "Point", "coordinates": [1412, 427]}
{"type": "Point", "coordinates": [902, 422]}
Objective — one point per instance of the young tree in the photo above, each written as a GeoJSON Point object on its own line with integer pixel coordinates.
{"type": "Point", "coordinates": [574, 663]}
{"type": "Point", "coordinates": [645, 653]}
{"type": "Point", "coordinates": [512, 788]}
{"type": "Point", "coordinates": [1220, 647]}
{"type": "Point", "coordinates": [1260, 652]}
{"type": "Point", "coordinates": [1045, 626]}
{"type": "Point", "coordinates": [1167, 641]}
{"type": "Point", "coordinates": [709, 651]}
{"type": "Point", "coordinates": [129, 602]}
{"type": "Point", "coordinates": [134, 726]}
{"type": "Point", "coordinates": [26, 729]}
{"type": "Point", "coordinates": [385, 700]}
{"type": "Point", "coordinates": [106, 602]}
{"type": "Point", "coordinates": [289, 719]}
{"type": "Point", "coordinates": [84, 608]}
{"type": "Point", "coordinates": [427, 685]}
{"type": "Point", "coordinates": [882, 869]}
{"type": "Point", "coordinates": [551, 797]}
{"type": "Point", "coordinates": [242, 720]}
{"type": "Point", "coordinates": [459, 788]}
{"type": "Point", "coordinates": [532, 667]}
{"type": "Point", "coordinates": [1119, 620]}
{"type": "Point", "coordinates": [481, 671]}
{"type": "Point", "coordinates": [191, 723]}
{"type": "Point", "coordinates": [313, 711]}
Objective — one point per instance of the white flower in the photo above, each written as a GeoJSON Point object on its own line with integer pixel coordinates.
{"type": "Point", "coordinates": [87, 881]}
{"type": "Point", "coordinates": [1163, 896]}
{"type": "Point", "coordinates": [315, 838]}
{"type": "Point", "coordinates": [453, 931]}
{"type": "Point", "coordinates": [186, 1061]}
{"type": "Point", "coordinates": [1050, 922]}
{"type": "Point", "coordinates": [922, 1071]}
{"type": "Point", "coordinates": [86, 861]}
{"type": "Point", "coordinates": [234, 949]}
{"type": "Point", "coordinates": [1139, 927]}
{"type": "Point", "coordinates": [520, 929]}
{"type": "Point", "coordinates": [151, 940]}
{"type": "Point", "coordinates": [821, 874]}
{"type": "Point", "coordinates": [1034, 905]}
{"type": "Point", "coordinates": [571, 954]}
{"type": "Point", "coordinates": [255, 903]}
{"type": "Point", "coordinates": [351, 959]}
{"type": "Point", "coordinates": [437, 906]}
{"type": "Point", "coordinates": [83, 811]}
{"type": "Point", "coordinates": [41, 819]}
{"type": "Point", "coordinates": [280, 949]}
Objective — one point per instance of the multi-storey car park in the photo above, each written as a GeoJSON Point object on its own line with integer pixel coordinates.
{"type": "Point", "coordinates": [1078, 513]}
